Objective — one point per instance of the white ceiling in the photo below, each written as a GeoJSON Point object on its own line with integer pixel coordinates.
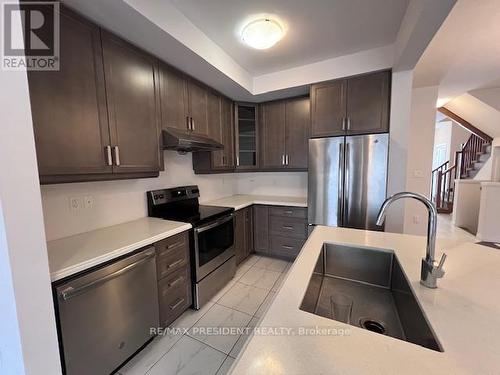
{"type": "Point", "coordinates": [315, 29]}
{"type": "Point", "coordinates": [465, 53]}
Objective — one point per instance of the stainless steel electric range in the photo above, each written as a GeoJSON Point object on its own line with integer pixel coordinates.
{"type": "Point", "coordinates": [213, 261]}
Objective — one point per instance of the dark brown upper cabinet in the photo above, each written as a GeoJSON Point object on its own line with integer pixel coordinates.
{"type": "Point", "coordinates": [69, 106]}
{"type": "Point", "coordinates": [174, 99]}
{"type": "Point", "coordinates": [227, 125]}
{"type": "Point", "coordinates": [328, 108]}
{"type": "Point", "coordinates": [298, 120]}
{"type": "Point", "coordinates": [133, 106]}
{"type": "Point", "coordinates": [220, 128]}
{"type": "Point", "coordinates": [272, 135]}
{"type": "Point", "coordinates": [198, 101]}
{"type": "Point", "coordinates": [284, 131]}
{"type": "Point", "coordinates": [184, 102]}
{"type": "Point", "coordinates": [223, 131]}
{"type": "Point", "coordinates": [97, 117]}
{"type": "Point", "coordinates": [368, 103]}
{"type": "Point", "coordinates": [356, 105]}
{"type": "Point", "coordinates": [246, 136]}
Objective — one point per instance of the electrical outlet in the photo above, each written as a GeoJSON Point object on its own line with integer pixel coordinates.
{"type": "Point", "coordinates": [416, 219]}
{"type": "Point", "coordinates": [75, 204]}
{"type": "Point", "coordinates": [88, 202]}
{"type": "Point", "coordinates": [417, 173]}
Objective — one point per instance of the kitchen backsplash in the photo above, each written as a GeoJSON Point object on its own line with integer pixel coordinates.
{"type": "Point", "coordinates": [115, 202]}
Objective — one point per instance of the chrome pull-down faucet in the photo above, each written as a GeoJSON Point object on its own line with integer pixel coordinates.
{"type": "Point", "coordinates": [430, 272]}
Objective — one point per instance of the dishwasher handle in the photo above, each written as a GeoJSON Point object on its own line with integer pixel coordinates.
{"type": "Point", "coordinates": [70, 292]}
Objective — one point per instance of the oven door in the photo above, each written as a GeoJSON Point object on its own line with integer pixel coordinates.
{"type": "Point", "coordinates": [213, 245]}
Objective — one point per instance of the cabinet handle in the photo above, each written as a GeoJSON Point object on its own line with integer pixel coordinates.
{"type": "Point", "coordinates": [287, 247]}
{"type": "Point", "coordinates": [177, 304]}
{"type": "Point", "coordinates": [343, 123]}
{"type": "Point", "coordinates": [223, 160]}
{"type": "Point", "coordinates": [116, 149]}
{"type": "Point", "coordinates": [193, 127]}
{"type": "Point", "coordinates": [289, 212]}
{"type": "Point", "coordinates": [109, 157]}
{"type": "Point", "coordinates": [283, 159]}
{"type": "Point", "coordinates": [175, 244]}
{"type": "Point", "coordinates": [176, 263]}
{"type": "Point", "coordinates": [188, 123]}
{"type": "Point", "coordinates": [288, 227]}
{"type": "Point", "coordinates": [348, 123]}
{"type": "Point", "coordinates": [287, 157]}
{"type": "Point", "coordinates": [237, 161]}
{"type": "Point", "coordinates": [176, 281]}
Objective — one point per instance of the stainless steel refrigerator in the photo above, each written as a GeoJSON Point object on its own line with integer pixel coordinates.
{"type": "Point", "coordinates": [347, 180]}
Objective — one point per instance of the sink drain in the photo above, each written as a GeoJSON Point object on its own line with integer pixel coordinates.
{"type": "Point", "coordinates": [372, 325]}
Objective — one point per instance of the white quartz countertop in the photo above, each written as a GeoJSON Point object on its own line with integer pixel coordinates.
{"type": "Point", "coordinates": [70, 255]}
{"type": "Point", "coordinates": [241, 201]}
{"type": "Point", "coordinates": [464, 312]}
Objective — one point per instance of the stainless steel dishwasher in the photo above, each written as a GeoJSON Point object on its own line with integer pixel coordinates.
{"type": "Point", "coordinates": [106, 315]}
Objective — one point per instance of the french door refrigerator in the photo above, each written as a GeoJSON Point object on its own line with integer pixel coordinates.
{"type": "Point", "coordinates": [347, 180]}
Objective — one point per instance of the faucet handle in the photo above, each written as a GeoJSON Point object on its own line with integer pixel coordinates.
{"type": "Point", "coordinates": [438, 271]}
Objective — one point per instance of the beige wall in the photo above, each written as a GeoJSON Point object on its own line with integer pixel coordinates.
{"type": "Point", "coordinates": [420, 153]}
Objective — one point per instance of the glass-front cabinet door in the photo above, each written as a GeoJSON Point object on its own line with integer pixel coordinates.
{"type": "Point", "coordinates": [246, 135]}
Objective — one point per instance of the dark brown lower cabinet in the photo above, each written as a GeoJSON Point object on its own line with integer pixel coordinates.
{"type": "Point", "coordinates": [243, 234]}
{"type": "Point", "coordinates": [174, 277]}
{"type": "Point", "coordinates": [279, 230]}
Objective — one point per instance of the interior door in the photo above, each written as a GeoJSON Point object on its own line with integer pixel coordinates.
{"type": "Point", "coordinates": [173, 98]}
{"type": "Point", "coordinates": [297, 132]}
{"type": "Point", "coordinates": [272, 135]}
{"type": "Point", "coordinates": [365, 179]}
{"type": "Point", "coordinates": [328, 108]}
{"type": "Point", "coordinates": [133, 106]}
{"type": "Point", "coordinates": [198, 107]}
{"type": "Point", "coordinates": [368, 99]}
{"type": "Point", "coordinates": [325, 181]}
{"type": "Point", "coordinates": [70, 122]}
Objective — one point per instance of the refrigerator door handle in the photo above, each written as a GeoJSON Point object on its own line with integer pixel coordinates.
{"type": "Point", "coordinates": [345, 206]}
{"type": "Point", "coordinates": [340, 209]}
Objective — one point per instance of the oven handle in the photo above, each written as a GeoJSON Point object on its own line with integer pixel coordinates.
{"type": "Point", "coordinates": [214, 224]}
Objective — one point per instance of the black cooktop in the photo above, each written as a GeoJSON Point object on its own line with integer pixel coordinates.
{"type": "Point", "coordinates": [181, 204]}
{"type": "Point", "coordinates": [195, 216]}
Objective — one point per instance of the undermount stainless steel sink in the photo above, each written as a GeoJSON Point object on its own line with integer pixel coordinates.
{"type": "Point", "coordinates": [383, 301]}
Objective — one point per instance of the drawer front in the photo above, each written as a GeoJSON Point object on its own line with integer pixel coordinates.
{"type": "Point", "coordinates": [177, 280]}
{"type": "Point", "coordinates": [297, 212]}
{"type": "Point", "coordinates": [288, 227]}
{"type": "Point", "coordinates": [174, 302]}
{"type": "Point", "coordinates": [286, 246]}
{"type": "Point", "coordinates": [170, 262]}
{"type": "Point", "coordinates": [171, 244]}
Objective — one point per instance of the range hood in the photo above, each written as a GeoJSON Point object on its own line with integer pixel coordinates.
{"type": "Point", "coordinates": [182, 141]}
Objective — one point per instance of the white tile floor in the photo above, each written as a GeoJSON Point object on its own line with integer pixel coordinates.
{"type": "Point", "coordinates": [193, 350]}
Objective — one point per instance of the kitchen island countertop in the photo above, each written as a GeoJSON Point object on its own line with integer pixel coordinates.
{"type": "Point", "coordinates": [464, 312]}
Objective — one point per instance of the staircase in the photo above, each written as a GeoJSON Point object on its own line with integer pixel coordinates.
{"type": "Point", "coordinates": [466, 164]}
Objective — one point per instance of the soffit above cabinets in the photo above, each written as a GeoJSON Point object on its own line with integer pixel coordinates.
{"type": "Point", "coordinates": [326, 39]}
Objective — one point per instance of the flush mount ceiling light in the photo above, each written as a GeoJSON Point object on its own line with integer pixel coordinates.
{"type": "Point", "coordinates": [262, 33]}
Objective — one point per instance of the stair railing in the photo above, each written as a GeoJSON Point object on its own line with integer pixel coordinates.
{"type": "Point", "coordinates": [444, 176]}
